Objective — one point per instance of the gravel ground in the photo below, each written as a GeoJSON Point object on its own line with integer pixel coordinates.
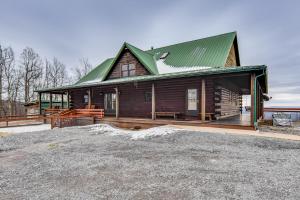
{"type": "Point", "coordinates": [295, 130]}
{"type": "Point", "coordinates": [75, 163]}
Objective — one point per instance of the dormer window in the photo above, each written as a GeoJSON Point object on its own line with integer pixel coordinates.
{"type": "Point", "coordinates": [128, 70]}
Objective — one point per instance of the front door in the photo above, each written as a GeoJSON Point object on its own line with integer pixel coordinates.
{"type": "Point", "coordinates": [110, 103]}
{"type": "Point", "coordinates": [192, 102]}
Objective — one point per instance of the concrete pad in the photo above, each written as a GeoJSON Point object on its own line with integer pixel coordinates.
{"type": "Point", "coordinates": [23, 129]}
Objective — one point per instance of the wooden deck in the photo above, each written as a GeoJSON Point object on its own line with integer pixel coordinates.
{"type": "Point", "coordinates": [69, 117]}
{"type": "Point", "coordinates": [137, 123]}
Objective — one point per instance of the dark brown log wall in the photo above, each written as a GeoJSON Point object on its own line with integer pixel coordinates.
{"type": "Point", "coordinates": [127, 58]}
{"type": "Point", "coordinates": [227, 100]}
{"type": "Point", "coordinates": [132, 100]}
{"type": "Point", "coordinates": [76, 98]}
{"type": "Point", "coordinates": [170, 96]}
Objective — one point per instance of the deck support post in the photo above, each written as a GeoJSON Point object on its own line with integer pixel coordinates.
{"type": "Point", "coordinates": [50, 101]}
{"type": "Point", "coordinates": [117, 102]}
{"type": "Point", "coordinates": [62, 101]}
{"type": "Point", "coordinates": [153, 102]}
{"type": "Point", "coordinates": [40, 103]}
{"type": "Point", "coordinates": [90, 98]}
{"type": "Point", "coordinates": [252, 98]}
{"type": "Point", "coordinates": [203, 99]}
{"type": "Point", "coordinates": [68, 99]}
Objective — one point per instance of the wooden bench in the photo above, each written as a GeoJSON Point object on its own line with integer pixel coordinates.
{"type": "Point", "coordinates": [167, 114]}
{"type": "Point", "coordinates": [92, 107]}
{"type": "Point", "coordinates": [208, 115]}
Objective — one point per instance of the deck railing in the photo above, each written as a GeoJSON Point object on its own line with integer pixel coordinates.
{"type": "Point", "coordinates": [69, 117]}
{"type": "Point", "coordinates": [58, 117]}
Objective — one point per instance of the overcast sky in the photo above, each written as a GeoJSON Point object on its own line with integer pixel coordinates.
{"type": "Point", "coordinates": [268, 31]}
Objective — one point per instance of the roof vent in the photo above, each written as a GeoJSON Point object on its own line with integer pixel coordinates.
{"type": "Point", "coordinates": [164, 55]}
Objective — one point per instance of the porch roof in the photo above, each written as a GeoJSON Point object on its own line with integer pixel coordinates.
{"type": "Point", "coordinates": [193, 73]}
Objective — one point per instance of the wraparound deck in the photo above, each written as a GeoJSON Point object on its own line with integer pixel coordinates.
{"type": "Point", "coordinates": [127, 122]}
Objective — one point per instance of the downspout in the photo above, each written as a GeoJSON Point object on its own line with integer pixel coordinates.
{"type": "Point", "coordinates": [255, 103]}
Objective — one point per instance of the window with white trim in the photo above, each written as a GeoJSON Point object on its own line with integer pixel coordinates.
{"type": "Point", "coordinates": [128, 70]}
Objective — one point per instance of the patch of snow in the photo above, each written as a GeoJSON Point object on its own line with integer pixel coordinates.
{"type": "Point", "coordinates": [134, 135]}
{"type": "Point", "coordinates": [153, 132]}
{"type": "Point", "coordinates": [24, 129]}
{"type": "Point", "coordinates": [163, 68]}
{"type": "Point", "coordinates": [90, 82]}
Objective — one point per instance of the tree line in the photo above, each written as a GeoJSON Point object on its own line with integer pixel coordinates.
{"type": "Point", "coordinates": [21, 75]}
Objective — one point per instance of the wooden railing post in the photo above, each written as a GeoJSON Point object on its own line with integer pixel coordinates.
{"type": "Point", "coordinates": [117, 102]}
{"type": "Point", "coordinates": [62, 101]}
{"type": "Point", "coordinates": [50, 100]}
{"type": "Point", "coordinates": [252, 98]}
{"type": "Point", "coordinates": [153, 102]}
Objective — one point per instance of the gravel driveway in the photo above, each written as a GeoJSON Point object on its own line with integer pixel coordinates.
{"type": "Point", "coordinates": [75, 163]}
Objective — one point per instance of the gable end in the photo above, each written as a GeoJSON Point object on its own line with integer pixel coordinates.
{"type": "Point", "coordinates": [125, 58]}
{"type": "Point", "coordinates": [233, 58]}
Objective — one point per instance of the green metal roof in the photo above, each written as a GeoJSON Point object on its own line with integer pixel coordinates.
{"type": "Point", "coordinates": [212, 51]}
{"type": "Point", "coordinates": [98, 73]}
{"type": "Point", "coordinates": [145, 58]}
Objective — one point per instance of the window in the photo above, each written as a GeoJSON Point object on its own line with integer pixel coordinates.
{"type": "Point", "coordinates": [164, 55]}
{"type": "Point", "coordinates": [128, 70]}
{"type": "Point", "coordinates": [148, 97]}
{"type": "Point", "coordinates": [110, 102]}
{"type": "Point", "coordinates": [85, 98]}
{"type": "Point", "coordinates": [192, 99]}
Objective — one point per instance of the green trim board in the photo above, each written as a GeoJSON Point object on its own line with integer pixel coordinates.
{"type": "Point", "coordinates": [207, 72]}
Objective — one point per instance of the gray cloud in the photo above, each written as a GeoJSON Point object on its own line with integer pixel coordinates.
{"type": "Point", "coordinates": [268, 32]}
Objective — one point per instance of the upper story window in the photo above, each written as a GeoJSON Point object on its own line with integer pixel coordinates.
{"type": "Point", "coordinates": [128, 70]}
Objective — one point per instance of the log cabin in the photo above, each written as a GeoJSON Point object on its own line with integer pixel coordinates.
{"type": "Point", "coordinates": [195, 80]}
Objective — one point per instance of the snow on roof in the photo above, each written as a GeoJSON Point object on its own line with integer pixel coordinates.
{"type": "Point", "coordinates": [163, 68]}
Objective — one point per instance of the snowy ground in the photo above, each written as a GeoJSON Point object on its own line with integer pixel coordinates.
{"type": "Point", "coordinates": [101, 162]}
{"type": "Point", "coordinates": [23, 129]}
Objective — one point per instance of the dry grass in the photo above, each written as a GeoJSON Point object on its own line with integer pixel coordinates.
{"type": "Point", "coordinates": [4, 134]}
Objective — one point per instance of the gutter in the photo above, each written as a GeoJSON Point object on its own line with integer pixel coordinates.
{"type": "Point", "coordinates": [255, 100]}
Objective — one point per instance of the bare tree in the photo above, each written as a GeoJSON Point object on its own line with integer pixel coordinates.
{"type": "Point", "coordinates": [1, 81]}
{"type": "Point", "coordinates": [7, 63]}
{"type": "Point", "coordinates": [84, 68]}
{"type": "Point", "coordinates": [8, 76]}
{"type": "Point", "coordinates": [31, 70]}
{"type": "Point", "coordinates": [57, 73]}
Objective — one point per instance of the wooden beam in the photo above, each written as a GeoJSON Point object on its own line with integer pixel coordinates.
{"type": "Point", "coordinates": [62, 101]}
{"type": "Point", "coordinates": [40, 103]}
{"type": "Point", "coordinates": [203, 99]}
{"type": "Point", "coordinates": [117, 102]}
{"type": "Point", "coordinates": [252, 98]}
{"type": "Point", "coordinates": [50, 100]}
{"type": "Point", "coordinates": [68, 99]}
{"type": "Point", "coordinates": [90, 98]}
{"type": "Point", "coordinates": [153, 101]}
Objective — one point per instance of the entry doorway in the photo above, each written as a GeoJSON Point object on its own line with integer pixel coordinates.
{"type": "Point", "coordinates": [110, 103]}
{"type": "Point", "coordinates": [192, 99]}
